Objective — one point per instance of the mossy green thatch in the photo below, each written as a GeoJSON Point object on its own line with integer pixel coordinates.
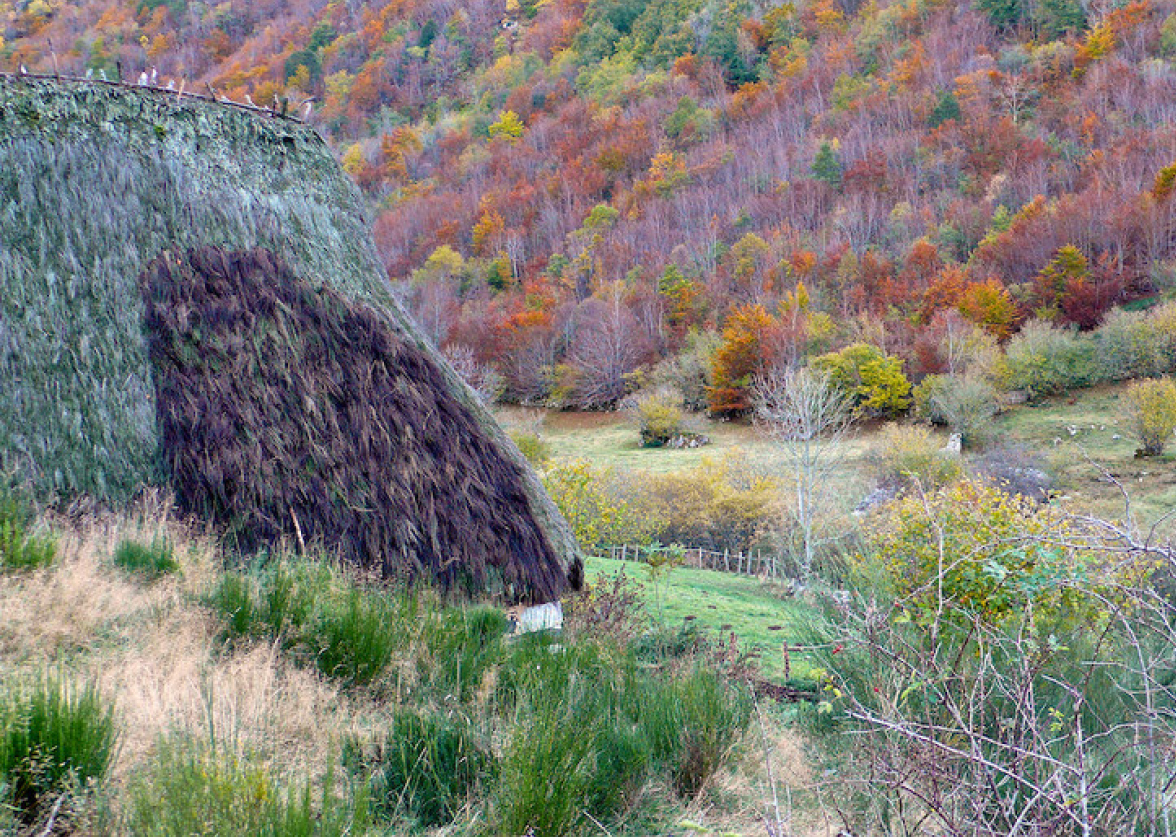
{"type": "Point", "coordinates": [96, 183]}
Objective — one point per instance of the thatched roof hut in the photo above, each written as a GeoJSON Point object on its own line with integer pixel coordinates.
{"type": "Point", "coordinates": [190, 296]}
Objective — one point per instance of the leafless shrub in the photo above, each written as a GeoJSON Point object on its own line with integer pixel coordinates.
{"type": "Point", "coordinates": [810, 416]}
{"type": "Point", "coordinates": [1053, 716]}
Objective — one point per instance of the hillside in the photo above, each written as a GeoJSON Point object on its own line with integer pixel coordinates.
{"type": "Point", "coordinates": [548, 176]}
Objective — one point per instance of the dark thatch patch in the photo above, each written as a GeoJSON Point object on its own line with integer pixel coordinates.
{"type": "Point", "coordinates": [287, 411]}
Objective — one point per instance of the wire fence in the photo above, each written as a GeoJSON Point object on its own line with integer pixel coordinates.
{"type": "Point", "coordinates": [754, 563]}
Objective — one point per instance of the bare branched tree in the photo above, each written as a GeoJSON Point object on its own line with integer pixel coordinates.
{"type": "Point", "coordinates": [811, 417]}
{"type": "Point", "coordinates": [607, 345]}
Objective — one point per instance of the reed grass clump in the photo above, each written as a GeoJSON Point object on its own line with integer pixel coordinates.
{"type": "Point", "coordinates": [460, 645]}
{"type": "Point", "coordinates": [21, 548]}
{"type": "Point", "coordinates": [318, 614]}
{"type": "Point", "coordinates": [594, 727]}
{"type": "Point", "coordinates": [57, 739]}
{"type": "Point", "coordinates": [190, 787]}
{"type": "Point", "coordinates": [148, 561]}
{"type": "Point", "coordinates": [355, 635]}
{"type": "Point", "coordinates": [427, 769]}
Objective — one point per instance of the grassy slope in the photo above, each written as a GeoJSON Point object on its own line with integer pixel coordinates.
{"type": "Point", "coordinates": [610, 440]}
{"type": "Point", "coordinates": [758, 613]}
{"type": "Point", "coordinates": [1077, 458]}
{"type": "Point", "coordinates": [1044, 429]}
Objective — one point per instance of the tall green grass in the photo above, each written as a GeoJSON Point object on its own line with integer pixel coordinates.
{"type": "Point", "coordinates": [20, 547]}
{"type": "Point", "coordinates": [56, 739]}
{"type": "Point", "coordinates": [190, 788]}
{"type": "Point", "coordinates": [427, 769]}
{"type": "Point", "coordinates": [148, 561]}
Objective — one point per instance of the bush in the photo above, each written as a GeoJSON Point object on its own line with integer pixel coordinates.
{"type": "Point", "coordinates": [608, 608]}
{"type": "Point", "coordinates": [986, 642]}
{"type": "Point", "coordinates": [923, 398]}
{"type": "Point", "coordinates": [348, 632]}
{"type": "Point", "coordinates": [189, 788]}
{"type": "Point", "coordinates": [1131, 344]}
{"type": "Point", "coordinates": [20, 548]}
{"type": "Point", "coordinates": [659, 418]}
{"type": "Point", "coordinates": [722, 503]}
{"type": "Point", "coordinates": [974, 550]}
{"type": "Point", "coordinates": [526, 431]}
{"type": "Point", "coordinates": [909, 454]}
{"type": "Point", "coordinates": [532, 446]}
{"type": "Point", "coordinates": [427, 768]}
{"type": "Point", "coordinates": [874, 378]}
{"type": "Point", "coordinates": [55, 739]}
{"type": "Point", "coordinates": [1044, 360]}
{"type": "Point", "coordinates": [597, 514]}
{"type": "Point", "coordinates": [149, 561]}
{"type": "Point", "coordinates": [1150, 408]}
{"type": "Point", "coordinates": [965, 403]}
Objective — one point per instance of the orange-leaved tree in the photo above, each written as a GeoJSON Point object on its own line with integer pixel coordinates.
{"type": "Point", "coordinates": [747, 349]}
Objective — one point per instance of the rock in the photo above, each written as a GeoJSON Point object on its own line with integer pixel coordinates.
{"type": "Point", "coordinates": [878, 497]}
{"type": "Point", "coordinates": [544, 617]}
{"type": "Point", "coordinates": [688, 440]}
{"type": "Point", "coordinates": [1015, 470]}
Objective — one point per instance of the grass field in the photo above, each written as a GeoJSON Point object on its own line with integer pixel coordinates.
{"type": "Point", "coordinates": [1074, 437]}
{"type": "Point", "coordinates": [1081, 436]}
{"type": "Point", "coordinates": [759, 613]}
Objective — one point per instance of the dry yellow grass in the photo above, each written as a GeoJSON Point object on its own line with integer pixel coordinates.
{"type": "Point", "coordinates": [773, 754]}
{"type": "Point", "coordinates": [152, 650]}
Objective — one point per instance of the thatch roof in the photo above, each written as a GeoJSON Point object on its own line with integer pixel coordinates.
{"type": "Point", "coordinates": [96, 185]}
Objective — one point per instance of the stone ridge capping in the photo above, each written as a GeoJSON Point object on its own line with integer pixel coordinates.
{"type": "Point", "coordinates": [180, 93]}
{"type": "Point", "coordinates": [144, 114]}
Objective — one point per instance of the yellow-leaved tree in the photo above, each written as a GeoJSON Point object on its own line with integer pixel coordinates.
{"type": "Point", "coordinates": [1151, 413]}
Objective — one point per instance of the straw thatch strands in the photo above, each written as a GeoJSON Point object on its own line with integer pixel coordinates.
{"type": "Point", "coordinates": [287, 412]}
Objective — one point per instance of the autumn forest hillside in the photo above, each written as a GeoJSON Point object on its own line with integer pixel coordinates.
{"type": "Point", "coordinates": [572, 191]}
